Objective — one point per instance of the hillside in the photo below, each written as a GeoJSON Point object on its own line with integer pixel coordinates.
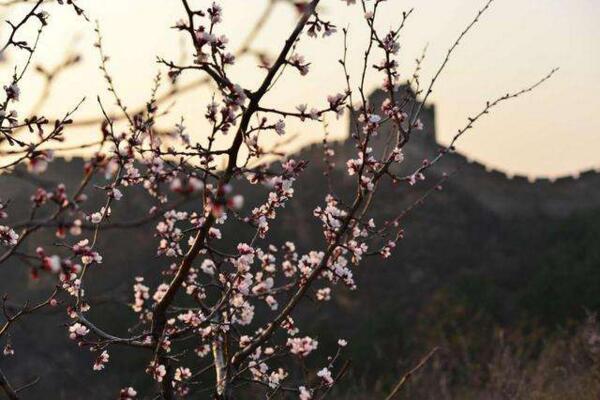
{"type": "Point", "coordinates": [487, 250]}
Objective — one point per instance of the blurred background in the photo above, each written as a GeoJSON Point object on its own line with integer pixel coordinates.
{"type": "Point", "coordinates": [501, 269]}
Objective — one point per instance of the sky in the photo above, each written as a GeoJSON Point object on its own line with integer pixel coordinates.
{"type": "Point", "coordinates": [553, 131]}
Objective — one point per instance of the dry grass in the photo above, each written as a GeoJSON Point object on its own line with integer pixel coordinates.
{"type": "Point", "coordinates": [564, 367]}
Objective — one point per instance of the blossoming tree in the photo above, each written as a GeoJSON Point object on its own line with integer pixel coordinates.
{"type": "Point", "coordinates": [212, 289]}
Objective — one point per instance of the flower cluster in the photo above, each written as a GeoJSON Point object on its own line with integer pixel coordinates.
{"type": "Point", "coordinates": [8, 237]}
{"type": "Point", "coordinates": [77, 331]}
{"type": "Point", "coordinates": [88, 256]}
{"type": "Point", "coordinates": [302, 346]}
{"type": "Point", "coordinates": [101, 361]}
{"type": "Point", "coordinates": [127, 393]}
{"type": "Point", "coordinates": [157, 371]}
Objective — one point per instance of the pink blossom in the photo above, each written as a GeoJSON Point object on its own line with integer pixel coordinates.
{"type": "Point", "coordinates": [182, 374]}
{"type": "Point", "coordinates": [302, 346]}
{"type": "Point", "coordinates": [77, 330]}
{"type": "Point", "coordinates": [304, 393]}
{"type": "Point", "coordinates": [325, 375]}
{"type": "Point", "coordinates": [280, 127]}
{"type": "Point", "coordinates": [128, 393]}
{"type": "Point", "coordinates": [157, 371]}
{"type": "Point", "coordinates": [8, 237]}
{"type": "Point", "coordinates": [101, 361]}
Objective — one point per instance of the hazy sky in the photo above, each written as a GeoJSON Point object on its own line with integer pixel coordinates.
{"type": "Point", "coordinates": [553, 131]}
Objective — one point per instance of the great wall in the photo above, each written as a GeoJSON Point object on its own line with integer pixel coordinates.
{"type": "Point", "coordinates": [504, 194]}
{"type": "Point", "coordinates": [507, 195]}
